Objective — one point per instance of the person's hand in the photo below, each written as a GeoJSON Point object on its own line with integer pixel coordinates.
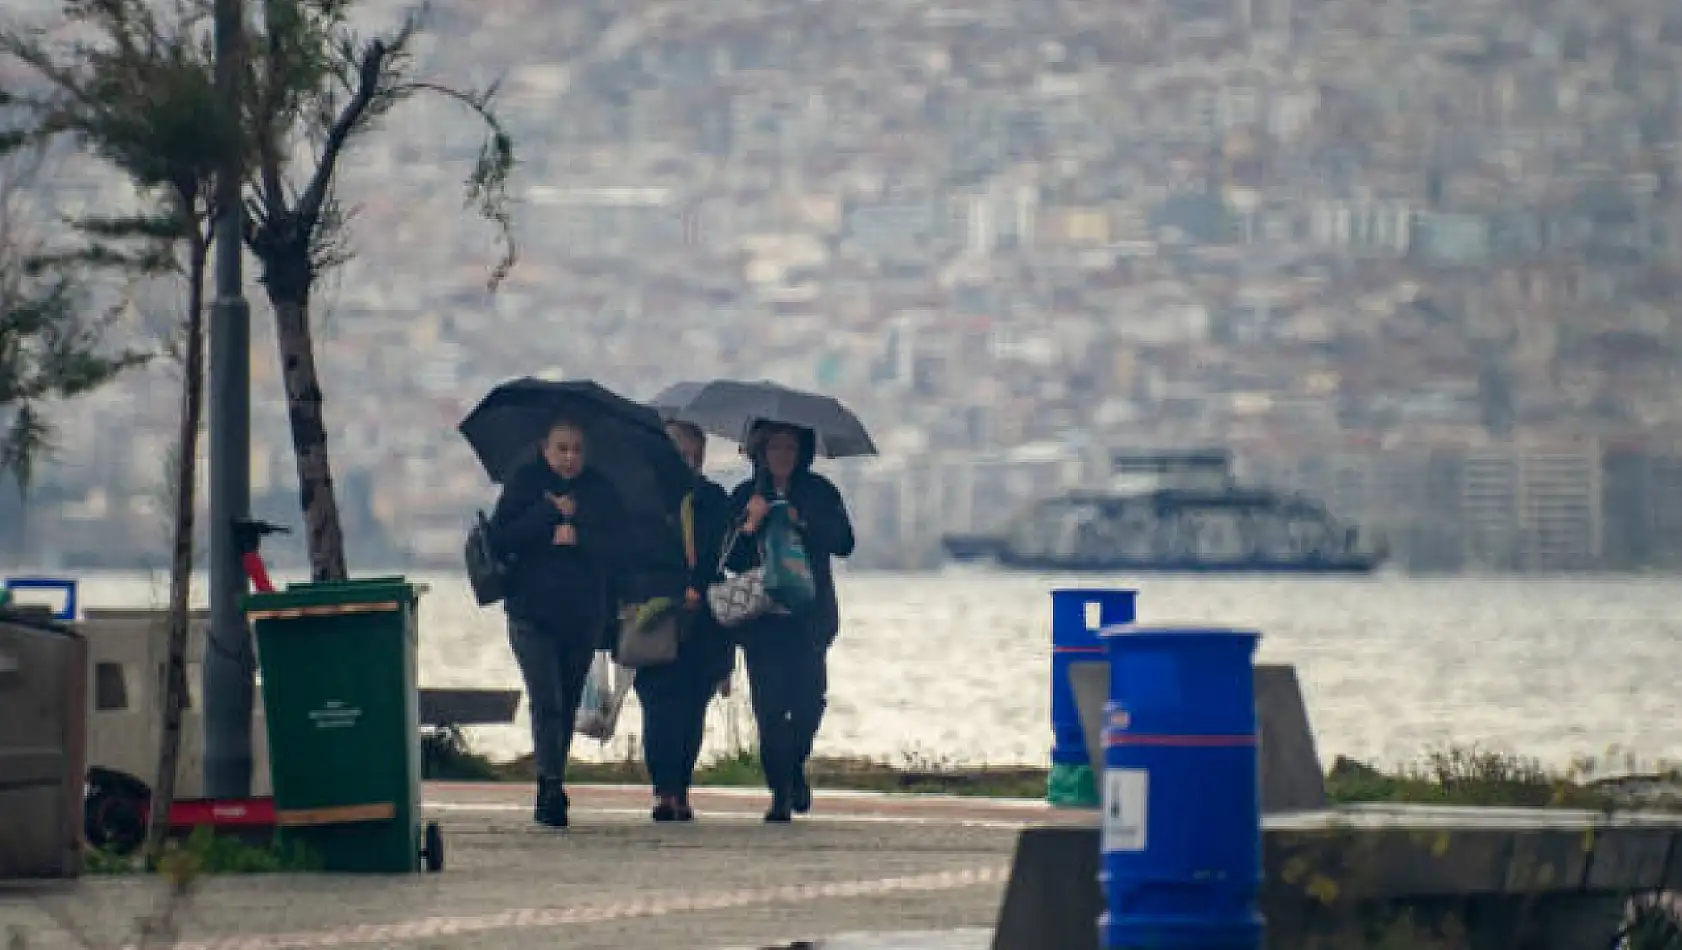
{"type": "Point", "coordinates": [565, 504]}
{"type": "Point", "coordinates": [566, 535]}
{"type": "Point", "coordinates": [691, 599]}
{"type": "Point", "coordinates": [758, 508]}
{"type": "Point", "coordinates": [794, 514]}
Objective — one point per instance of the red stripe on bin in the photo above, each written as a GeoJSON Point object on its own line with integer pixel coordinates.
{"type": "Point", "coordinates": [1131, 738]}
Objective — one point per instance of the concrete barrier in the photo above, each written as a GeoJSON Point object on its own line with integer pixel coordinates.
{"type": "Point", "coordinates": [1291, 776]}
{"type": "Point", "coordinates": [1429, 876]}
{"type": "Point", "coordinates": [1417, 876]}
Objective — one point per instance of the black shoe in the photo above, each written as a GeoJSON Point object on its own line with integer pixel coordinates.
{"type": "Point", "coordinates": [801, 799]}
{"type": "Point", "coordinates": [666, 809]}
{"type": "Point", "coordinates": [552, 803]}
{"type": "Point", "coordinates": [684, 812]}
{"type": "Point", "coordinates": [779, 813]}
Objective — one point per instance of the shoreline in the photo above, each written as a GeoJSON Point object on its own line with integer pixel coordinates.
{"type": "Point", "coordinates": [1457, 775]}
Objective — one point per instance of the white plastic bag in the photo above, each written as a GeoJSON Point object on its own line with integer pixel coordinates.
{"type": "Point", "coordinates": [604, 695]}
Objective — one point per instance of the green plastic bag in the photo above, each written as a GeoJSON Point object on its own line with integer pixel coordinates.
{"type": "Point", "coordinates": [788, 571]}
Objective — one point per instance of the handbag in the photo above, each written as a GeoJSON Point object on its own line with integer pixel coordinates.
{"type": "Point", "coordinates": [741, 597]}
{"type": "Point", "coordinates": [487, 571]}
{"type": "Point", "coordinates": [788, 571]}
{"type": "Point", "coordinates": [648, 633]}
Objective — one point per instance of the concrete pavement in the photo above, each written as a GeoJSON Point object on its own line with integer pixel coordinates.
{"type": "Point", "coordinates": [862, 862]}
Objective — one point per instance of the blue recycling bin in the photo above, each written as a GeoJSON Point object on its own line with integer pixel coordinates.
{"type": "Point", "coordinates": [1181, 863]}
{"type": "Point", "coordinates": [1074, 639]}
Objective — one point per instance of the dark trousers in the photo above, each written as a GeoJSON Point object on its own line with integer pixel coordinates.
{"type": "Point", "coordinates": [674, 699]}
{"type": "Point", "coordinates": [788, 676]}
{"type": "Point", "coordinates": [554, 661]}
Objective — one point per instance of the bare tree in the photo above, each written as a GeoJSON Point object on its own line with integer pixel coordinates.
{"type": "Point", "coordinates": [316, 88]}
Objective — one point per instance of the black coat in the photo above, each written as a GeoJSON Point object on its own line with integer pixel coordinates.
{"type": "Point", "coordinates": [554, 585]}
{"type": "Point", "coordinates": [824, 527]}
{"type": "Point", "coordinates": [712, 524]}
{"type": "Point", "coordinates": [708, 645]}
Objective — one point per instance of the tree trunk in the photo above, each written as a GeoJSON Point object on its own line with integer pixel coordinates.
{"type": "Point", "coordinates": [309, 438]}
{"type": "Point", "coordinates": [181, 560]}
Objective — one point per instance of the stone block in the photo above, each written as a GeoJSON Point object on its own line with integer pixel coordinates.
{"type": "Point", "coordinates": [1546, 860]}
{"type": "Point", "coordinates": [1052, 899]}
{"type": "Point", "coordinates": [1291, 777]}
{"type": "Point", "coordinates": [1627, 858]}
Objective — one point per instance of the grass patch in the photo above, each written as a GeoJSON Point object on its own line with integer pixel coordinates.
{"type": "Point", "coordinates": [1470, 775]}
{"type": "Point", "coordinates": [447, 756]}
{"type": "Point", "coordinates": [1455, 775]}
{"type": "Point", "coordinates": [205, 852]}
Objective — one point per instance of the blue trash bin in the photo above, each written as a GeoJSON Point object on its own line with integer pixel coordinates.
{"type": "Point", "coordinates": [1076, 618]}
{"type": "Point", "coordinates": [1181, 867]}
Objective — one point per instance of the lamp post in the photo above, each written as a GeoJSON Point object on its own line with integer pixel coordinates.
{"type": "Point", "coordinates": [229, 665]}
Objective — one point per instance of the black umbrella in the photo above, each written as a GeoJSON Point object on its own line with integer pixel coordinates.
{"type": "Point", "coordinates": [729, 408]}
{"type": "Point", "coordinates": [625, 441]}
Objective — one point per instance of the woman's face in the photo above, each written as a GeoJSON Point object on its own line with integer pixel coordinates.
{"type": "Point", "coordinates": [782, 453]}
{"type": "Point", "coordinates": [693, 450]}
{"type": "Point", "coordinates": [563, 449]}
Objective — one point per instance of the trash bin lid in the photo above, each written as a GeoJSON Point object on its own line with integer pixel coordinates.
{"type": "Point", "coordinates": [373, 590]}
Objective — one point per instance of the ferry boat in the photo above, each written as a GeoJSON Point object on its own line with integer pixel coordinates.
{"type": "Point", "coordinates": [1174, 512]}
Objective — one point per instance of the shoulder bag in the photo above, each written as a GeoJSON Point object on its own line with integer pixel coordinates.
{"type": "Point", "coordinates": [649, 633]}
{"type": "Point", "coordinates": [741, 597]}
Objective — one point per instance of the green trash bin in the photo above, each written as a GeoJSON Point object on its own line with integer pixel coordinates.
{"type": "Point", "coordinates": [342, 702]}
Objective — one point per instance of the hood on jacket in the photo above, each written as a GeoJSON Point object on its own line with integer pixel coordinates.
{"type": "Point", "coordinates": [761, 431]}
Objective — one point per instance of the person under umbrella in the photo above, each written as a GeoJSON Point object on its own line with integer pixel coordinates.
{"type": "Point", "coordinates": [675, 695]}
{"type": "Point", "coordinates": [558, 522]}
{"type": "Point", "coordinates": [590, 486]}
{"type": "Point", "coordinates": [787, 653]}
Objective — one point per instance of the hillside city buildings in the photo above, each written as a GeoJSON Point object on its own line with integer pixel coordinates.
{"type": "Point", "coordinates": [1416, 257]}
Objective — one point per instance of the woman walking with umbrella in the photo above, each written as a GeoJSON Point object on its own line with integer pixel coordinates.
{"type": "Point", "coordinates": [556, 522]}
{"type": "Point", "coordinates": [589, 479]}
{"type": "Point", "coordinates": [675, 695]}
{"type": "Point", "coordinates": [782, 431]}
{"type": "Point", "coordinates": [787, 653]}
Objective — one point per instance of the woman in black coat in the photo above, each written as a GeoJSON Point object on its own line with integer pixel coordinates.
{"type": "Point", "coordinates": [787, 654]}
{"type": "Point", "coordinates": [675, 695]}
{"type": "Point", "coordinates": [561, 524]}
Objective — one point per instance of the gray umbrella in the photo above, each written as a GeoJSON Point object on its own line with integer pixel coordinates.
{"type": "Point", "coordinates": [729, 408]}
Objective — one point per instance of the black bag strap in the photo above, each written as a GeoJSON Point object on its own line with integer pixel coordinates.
{"type": "Point", "coordinates": [730, 545]}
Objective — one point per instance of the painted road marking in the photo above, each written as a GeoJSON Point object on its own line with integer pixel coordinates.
{"type": "Point", "coordinates": [742, 817]}
{"type": "Point", "coordinates": [535, 918]}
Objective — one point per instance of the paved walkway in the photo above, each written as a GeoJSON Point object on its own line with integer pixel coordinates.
{"type": "Point", "coordinates": [615, 880]}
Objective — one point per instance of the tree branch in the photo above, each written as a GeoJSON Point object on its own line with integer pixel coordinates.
{"type": "Point", "coordinates": [369, 72]}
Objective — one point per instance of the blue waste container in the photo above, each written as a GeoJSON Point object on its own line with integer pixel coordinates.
{"type": "Point", "coordinates": [1074, 639]}
{"type": "Point", "coordinates": [1181, 867]}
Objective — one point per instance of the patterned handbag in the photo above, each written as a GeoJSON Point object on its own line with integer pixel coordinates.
{"type": "Point", "coordinates": [738, 598]}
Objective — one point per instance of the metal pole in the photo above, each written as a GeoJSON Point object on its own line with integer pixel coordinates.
{"type": "Point", "coordinates": [229, 666]}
